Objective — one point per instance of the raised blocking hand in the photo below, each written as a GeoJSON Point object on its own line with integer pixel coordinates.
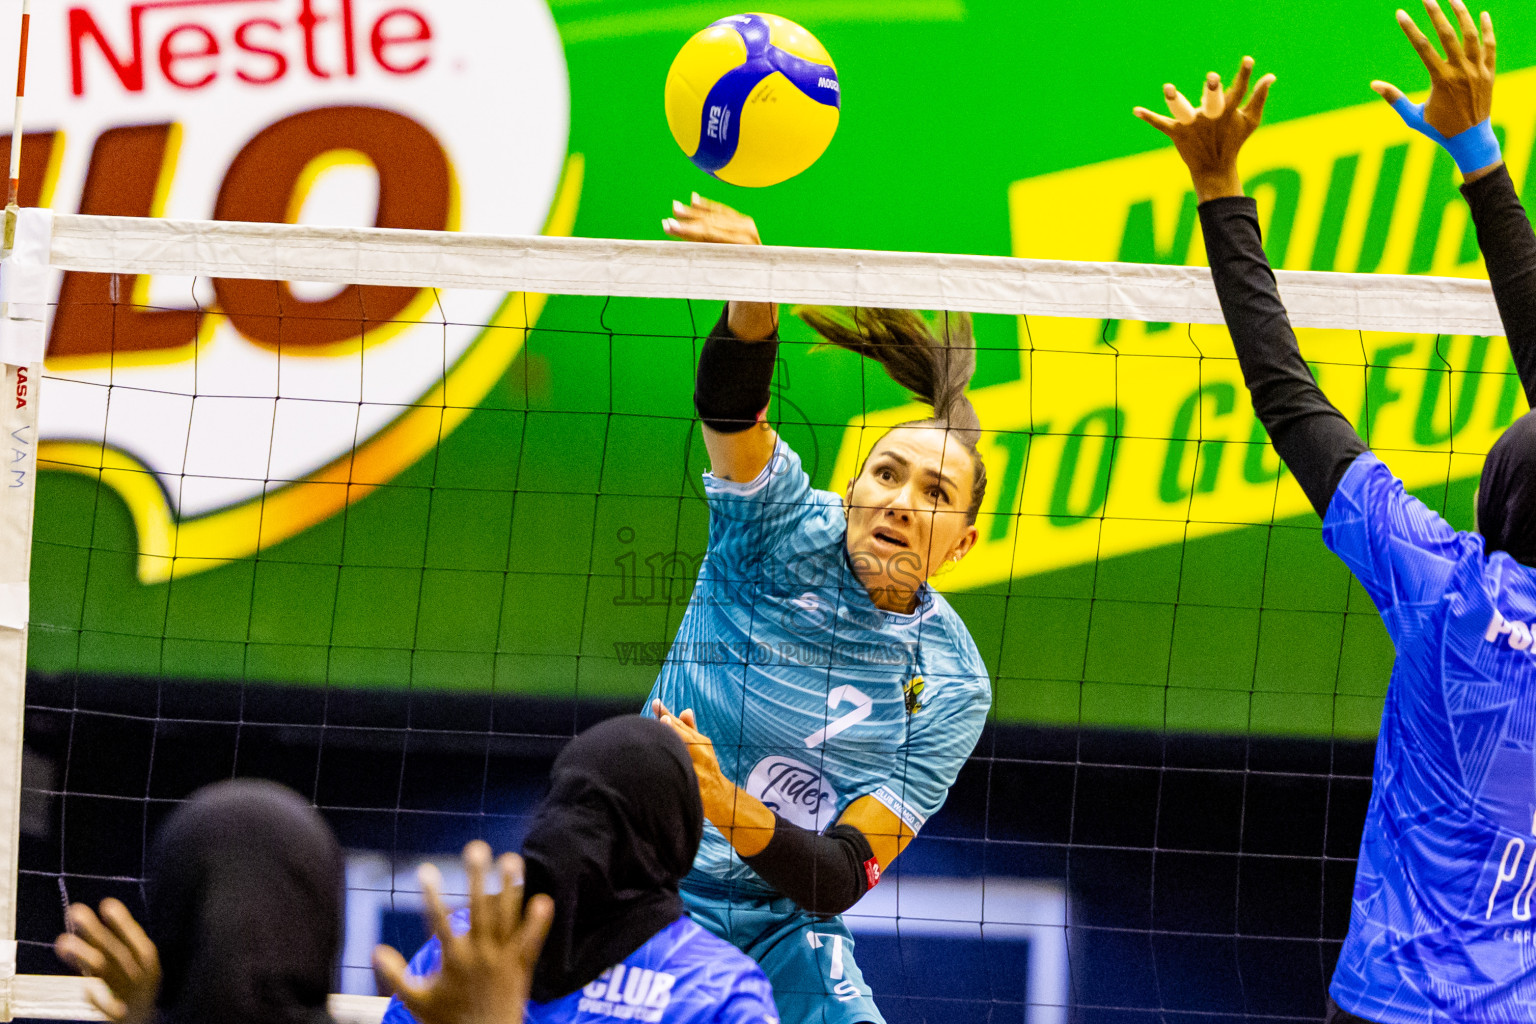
{"type": "Point", "coordinates": [1209, 137]}
{"type": "Point", "coordinates": [704, 220]}
{"type": "Point", "coordinates": [1460, 85]}
{"type": "Point", "coordinates": [486, 972]}
{"type": "Point", "coordinates": [115, 949]}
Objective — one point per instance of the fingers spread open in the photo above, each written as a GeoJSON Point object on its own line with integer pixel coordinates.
{"type": "Point", "coordinates": [1178, 106]}
{"type": "Point", "coordinates": [1158, 121]}
{"type": "Point", "coordinates": [118, 918]}
{"type": "Point", "coordinates": [1443, 28]}
{"type": "Point", "coordinates": [1421, 44]}
{"type": "Point", "coordinates": [683, 212]}
{"type": "Point", "coordinates": [477, 863]}
{"type": "Point", "coordinates": [115, 957]}
{"type": "Point", "coordinates": [1255, 108]}
{"type": "Point", "coordinates": [1212, 100]}
{"type": "Point", "coordinates": [432, 908]}
{"type": "Point", "coordinates": [79, 954]}
{"type": "Point", "coordinates": [537, 916]}
{"type": "Point", "coordinates": [1470, 44]}
{"type": "Point", "coordinates": [509, 900]}
{"type": "Point", "coordinates": [1387, 91]}
{"type": "Point", "coordinates": [1488, 43]}
{"type": "Point", "coordinates": [1240, 83]}
{"type": "Point", "coordinates": [391, 969]}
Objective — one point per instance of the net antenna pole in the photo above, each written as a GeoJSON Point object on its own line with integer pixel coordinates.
{"type": "Point", "coordinates": [23, 307]}
{"type": "Point", "coordinates": [13, 190]}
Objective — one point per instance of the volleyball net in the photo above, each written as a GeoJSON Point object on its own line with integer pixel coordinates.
{"type": "Point", "coordinates": [388, 515]}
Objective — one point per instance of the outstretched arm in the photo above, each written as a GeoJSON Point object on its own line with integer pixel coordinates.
{"type": "Point", "coordinates": [1313, 437]}
{"type": "Point", "coordinates": [736, 366]}
{"type": "Point", "coordinates": [1457, 116]}
{"type": "Point", "coordinates": [825, 872]}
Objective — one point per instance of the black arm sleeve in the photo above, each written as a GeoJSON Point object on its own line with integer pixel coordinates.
{"type": "Point", "coordinates": [1509, 247]}
{"type": "Point", "coordinates": [1314, 438]}
{"type": "Point", "coordinates": [734, 378]}
{"type": "Point", "coordinates": [824, 872]}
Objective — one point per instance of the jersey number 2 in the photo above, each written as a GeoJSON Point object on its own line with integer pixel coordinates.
{"type": "Point", "coordinates": [862, 705]}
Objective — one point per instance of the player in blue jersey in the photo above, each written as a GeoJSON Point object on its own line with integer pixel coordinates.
{"type": "Point", "coordinates": [841, 693]}
{"type": "Point", "coordinates": [620, 826]}
{"type": "Point", "coordinates": [1441, 928]}
{"type": "Point", "coordinates": [245, 886]}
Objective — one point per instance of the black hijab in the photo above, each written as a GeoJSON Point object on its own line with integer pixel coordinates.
{"type": "Point", "coordinates": [245, 896]}
{"type": "Point", "coordinates": [1506, 499]}
{"type": "Point", "coordinates": [609, 844]}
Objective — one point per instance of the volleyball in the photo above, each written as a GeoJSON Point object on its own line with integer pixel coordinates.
{"type": "Point", "coordinates": [753, 99]}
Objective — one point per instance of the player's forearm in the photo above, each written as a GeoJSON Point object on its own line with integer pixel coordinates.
{"type": "Point", "coordinates": [744, 820]}
{"type": "Point", "coordinates": [753, 321]}
{"type": "Point", "coordinates": [1315, 440]}
{"type": "Point", "coordinates": [1509, 248]}
{"type": "Point", "coordinates": [735, 373]}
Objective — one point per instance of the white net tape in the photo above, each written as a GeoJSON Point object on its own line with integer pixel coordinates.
{"type": "Point", "coordinates": [695, 270]}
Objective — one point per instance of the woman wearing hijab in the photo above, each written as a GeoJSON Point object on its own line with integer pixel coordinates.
{"type": "Point", "coordinates": [619, 828]}
{"type": "Point", "coordinates": [1441, 928]}
{"type": "Point", "coordinates": [842, 692]}
{"type": "Point", "coordinates": [245, 896]}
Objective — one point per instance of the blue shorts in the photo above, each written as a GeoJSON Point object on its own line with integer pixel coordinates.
{"type": "Point", "coordinates": [808, 959]}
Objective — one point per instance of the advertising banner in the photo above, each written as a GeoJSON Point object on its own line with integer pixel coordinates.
{"type": "Point", "coordinates": [390, 487]}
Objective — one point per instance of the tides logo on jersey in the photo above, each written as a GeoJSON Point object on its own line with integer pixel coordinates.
{"type": "Point", "coordinates": [793, 790]}
{"type": "Point", "coordinates": [240, 413]}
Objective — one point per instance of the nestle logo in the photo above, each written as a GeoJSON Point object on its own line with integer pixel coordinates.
{"type": "Point", "coordinates": [207, 40]}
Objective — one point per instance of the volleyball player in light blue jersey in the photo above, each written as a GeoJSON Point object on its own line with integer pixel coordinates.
{"type": "Point", "coordinates": [840, 692]}
{"type": "Point", "coordinates": [1441, 931]}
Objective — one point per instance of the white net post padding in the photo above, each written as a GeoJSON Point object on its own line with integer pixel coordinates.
{"type": "Point", "coordinates": [46, 243]}
{"type": "Point", "coordinates": [60, 997]}
{"type": "Point", "coordinates": [24, 296]}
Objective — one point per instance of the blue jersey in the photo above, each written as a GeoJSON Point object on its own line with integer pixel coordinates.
{"type": "Point", "coordinates": [812, 695]}
{"type": "Point", "coordinates": [682, 975]}
{"type": "Point", "coordinates": [1441, 927]}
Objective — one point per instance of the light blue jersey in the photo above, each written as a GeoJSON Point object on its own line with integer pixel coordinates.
{"type": "Point", "coordinates": [813, 696]}
{"type": "Point", "coordinates": [1441, 928]}
{"type": "Point", "coordinates": [682, 975]}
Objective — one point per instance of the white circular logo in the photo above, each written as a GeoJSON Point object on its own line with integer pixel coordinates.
{"type": "Point", "coordinates": [793, 790]}
{"type": "Point", "coordinates": [233, 414]}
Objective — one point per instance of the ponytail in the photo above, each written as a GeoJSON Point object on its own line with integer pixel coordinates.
{"type": "Point", "coordinates": [936, 368]}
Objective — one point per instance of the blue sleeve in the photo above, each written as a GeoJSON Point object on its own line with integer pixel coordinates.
{"type": "Point", "coordinates": [747, 521]}
{"type": "Point", "coordinates": [427, 961]}
{"type": "Point", "coordinates": [950, 713]}
{"type": "Point", "coordinates": [1399, 549]}
{"type": "Point", "coordinates": [750, 1002]}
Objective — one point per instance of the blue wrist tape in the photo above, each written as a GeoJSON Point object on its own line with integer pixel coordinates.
{"type": "Point", "coordinates": [1473, 149]}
